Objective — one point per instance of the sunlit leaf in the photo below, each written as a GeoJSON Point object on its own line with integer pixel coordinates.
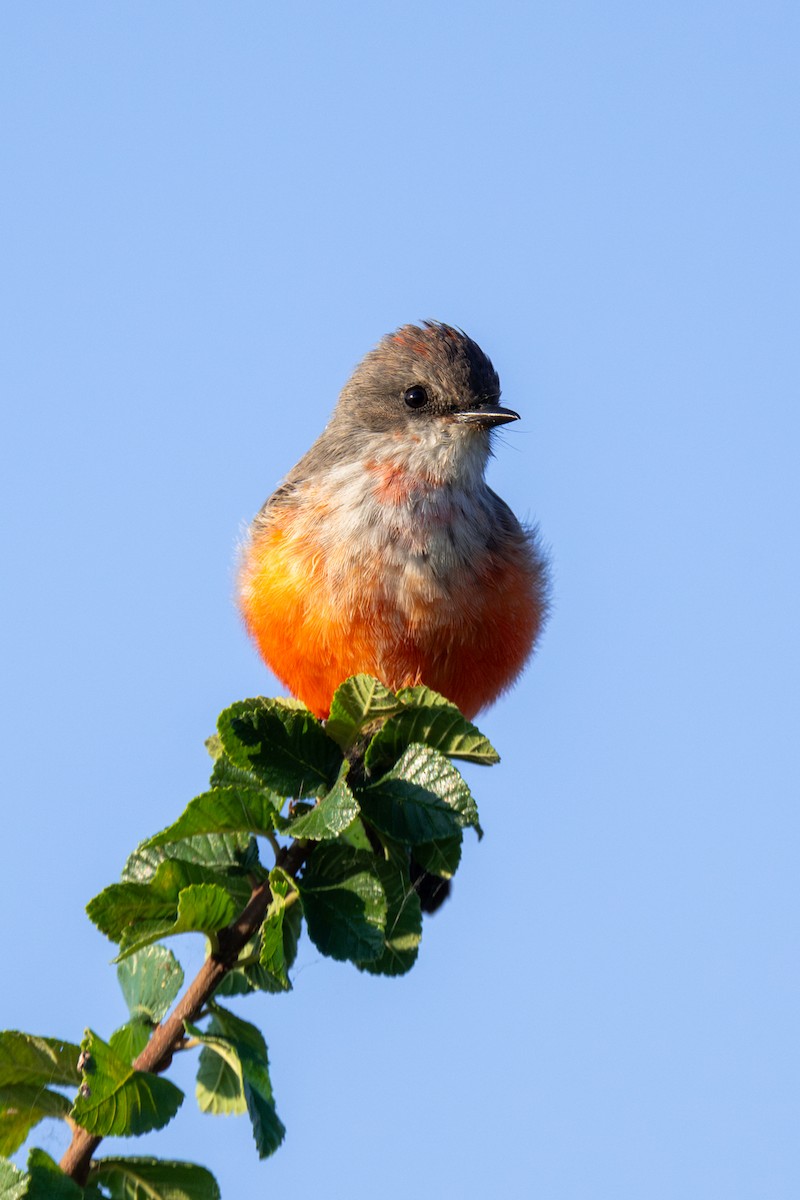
{"type": "Point", "coordinates": [344, 903]}
{"type": "Point", "coordinates": [283, 744]}
{"type": "Point", "coordinates": [440, 726]}
{"type": "Point", "coordinates": [13, 1182]}
{"type": "Point", "coordinates": [224, 810]}
{"type": "Point", "coordinates": [150, 982]}
{"type": "Point", "coordinates": [130, 1039]}
{"type": "Point", "coordinates": [331, 816]}
{"type": "Point", "coordinates": [22, 1106]}
{"type": "Point", "coordinates": [406, 810]}
{"type": "Point", "coordinates": [25, 1058]}
{"type": "Point", "coordinates": [221, 853]}
{"type": "Point", "coordinates": [47, 1181]}
{"type": "Point", "coordinates": [202, 908]}
{"type": "Point", "coordinates": [403, 929]}
{"type": "Point", "coordinates": [430, 770]}
{"type": "Point", "coordinates": [272, 958]}
{"type": "Point", "coordinates": [153, 1179]}
{"type": "Point", "coordinates": [233, 1076]}
{"type": "Point", "coordinates": [179, 898]}
{"type": "Point", "coordinates": [115, 1099]}
{"type": "Point", "coordinates": [358, 703]}
{"type": "Point", "coordinates": [250, 976]}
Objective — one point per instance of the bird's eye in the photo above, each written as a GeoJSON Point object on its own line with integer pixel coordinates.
{"type": "Point", "coordinates": [415, 397]}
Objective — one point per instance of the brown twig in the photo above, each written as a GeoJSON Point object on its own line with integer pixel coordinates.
{"type": "Point", "coordinates": [166, 1038]}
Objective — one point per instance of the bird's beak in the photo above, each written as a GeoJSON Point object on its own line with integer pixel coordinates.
{"type": "Point", "coordinates": [487, 415]}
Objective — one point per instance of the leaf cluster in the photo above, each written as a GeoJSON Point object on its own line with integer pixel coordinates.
{"type": "Point", "coordinates": [351, 812]}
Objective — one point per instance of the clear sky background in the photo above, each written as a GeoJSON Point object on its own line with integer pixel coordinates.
{"type": "Point", "coordinates": [210, 212]}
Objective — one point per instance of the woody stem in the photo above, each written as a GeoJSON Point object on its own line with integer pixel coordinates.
{"type": "Point", "coordinates": [167, 1037]}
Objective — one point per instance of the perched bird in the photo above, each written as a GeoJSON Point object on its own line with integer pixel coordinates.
{"type": "Point", "coordinates": [384, 551]}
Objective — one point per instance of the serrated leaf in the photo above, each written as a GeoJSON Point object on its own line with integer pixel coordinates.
{"type": "Point", "coordinates": [292, 928]}
{"type": "Point", "coordinates": [440, 726]}
{"type": "Point", "coordinates": [220, 1087]}
{"type": "Point", "coordinates": [344, 903]}
{"type": "Point", "coordinates": [271, 956]}
{"type": "Point", "coordinates": [250, 976]}
{"type": "Point", "coordinates": [153, 1179]}
{"type": "Point", "coordinates": [220, 1075]}
{"type": "Point", "coordinates": [233, 1076]}
{"type": "Point", "coordinates": [284, 745]}
{"type": "Point", "coordinates": [403, 930]}
{"type": "Point", "coordinates": [421, 696]}
{"type": "Point", "coordinates": [330, 817]}
{"type": "Point", "coordinates": [22, 1106]}
{"type": "Point", "coordinates": [150, 981]}
{"type": "Point", "coordinates": [25, 1058]}
{"type": "Point", "coordinates": [430, 770]}
{"type": "Point", "coordinates": [232, 809]}
{"type": "Point", "coordinates": [247, 1036]}
{"type": "Point", "coordinates": [186, 894]}
{"type": "Point", "coordinates": [357, 703]}
{"type": "Point", "coordinates": [202, 908]}
{"type": "Point", "coordinates": [220, 853]}
{"type": "Point", "coordinates": [356, 836]}
{"type": "Point", "coordinates": [213, 745]}
{"type": "Point", "coordinates": [47, 1181]}
{"type": "Point", "coordinates": [117, 1100]}
{"type": "Point", "coordinates": [439, 858]}
{"type": "Point", "coordinates": [130, 1039]}
{"type": "Point", "coordinates": [406, 811]}
{"type": "Point", "coordinates": [225, 774]}
{"type": "Point", "coordinates": [13, 1182]}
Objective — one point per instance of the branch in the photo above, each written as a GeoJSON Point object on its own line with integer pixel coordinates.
{"type": "Point", "coordinates": [157, 1054]}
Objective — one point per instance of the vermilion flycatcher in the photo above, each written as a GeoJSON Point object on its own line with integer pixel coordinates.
{"type": "Point", "coordinates": [384, 551]}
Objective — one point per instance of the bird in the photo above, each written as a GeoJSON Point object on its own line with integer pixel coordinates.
{"type": "Point", "coordinates": [384, 551]}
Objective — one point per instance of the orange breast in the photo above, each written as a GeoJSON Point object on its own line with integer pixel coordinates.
{"type": "Point", "coordinates": [319, 618]}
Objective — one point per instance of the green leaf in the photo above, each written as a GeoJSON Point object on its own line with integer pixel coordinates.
{"type": "Point", "coordinates": [272, 957]}
{"type": "Point", "coordinates": [292, 928]}
{"type": "Point", "coordinates": [213, 745]}
{"type": "Point", "coordinates": [223, 810]}
{"type": "Point", "coordinates": [283, 744]}
{"type": "Point", "coordinates": [179, 898]}
{"type": "Point", "coordinates": [440, 726]}
{"type": "Point", "coordinates": [220, 1089]}
{"type": "Point", "coordinates": [153, 1179]}
{"type": "Point", "coordinates": [356, 836]}
{"type": "Point", "coordinates": [439, 858]}
{"type": "Point", "coordinates": [357, 703]}
{"type": "Point", "coordinates": [430, 770]}
{"type": "Point", "coordinates": [130, 1039]}
{"type": "Point", "coordinates": [47, 1181]}
{"type": "Point", "coordinates": [225, 774]}
{"type": "Point", "coordinates": [224, 853]}
{"type": "Point", "coordinates": [250, 976]}
{"type": "Point", "coordinates": [421, 696]}
{"type": "Point", "coordinates": [115, 1099]}
{"type": "Point", "coordinates": [202, 908]}
{"type": "Point", "coordinates": [403, 930]}
{"type": "Point", "coordinates": [407, 811]}
{"type": "Point", "coordinates": [233, 1076]}
{"type": "Point", "coordinates": [220, 1082]}
{"type": "Point", "coordinates": [150, 982]}
{"type": "Point", "coordinates": [344, 903]}
{"type": "Point", "coordinates": [28, 1059]}
{"type": "Point", "coordinates": [13, 1183]}
{"type": "Point", "coordinates": [23, 1105]}
{"type": "Point", "coordinates": [329, 817]}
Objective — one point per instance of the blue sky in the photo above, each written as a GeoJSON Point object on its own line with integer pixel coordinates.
{"type": "Point", "coordinates": [210, 213]}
